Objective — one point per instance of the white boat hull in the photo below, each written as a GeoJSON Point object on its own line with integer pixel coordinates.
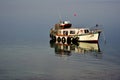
{"type": "Point", "coordinates": [91, 37]}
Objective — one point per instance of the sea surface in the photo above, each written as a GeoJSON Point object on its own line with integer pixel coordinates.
{"type": "Point", "coordinates": [27, 53]}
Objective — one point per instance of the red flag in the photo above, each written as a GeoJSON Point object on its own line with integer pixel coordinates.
{"type": "Point", "coordinates": [75, 14]}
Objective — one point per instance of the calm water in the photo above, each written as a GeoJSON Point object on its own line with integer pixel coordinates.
{"type": "Point", "coordinates": [26, 52]}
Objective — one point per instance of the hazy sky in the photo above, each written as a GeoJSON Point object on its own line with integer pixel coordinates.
{"type": "Point", "coordinates": [43, 7]}
{"type": "Point", "coordinates": [44, 10]}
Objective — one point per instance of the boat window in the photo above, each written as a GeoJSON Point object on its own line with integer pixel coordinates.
{"type": "Point", "coordinates": [72, 32]}
{"type": "Point", "coordinates": [65, 32]}
{"type": "Point", "coordinates": [86, 31]}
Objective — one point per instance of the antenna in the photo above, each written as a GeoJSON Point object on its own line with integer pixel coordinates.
{"type": "Point", "coordinates": [60, 18]}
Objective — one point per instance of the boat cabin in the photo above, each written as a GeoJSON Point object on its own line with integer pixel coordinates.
{"type": "Point", "coordinates": [83, 31]}
{"type": "Point", "coordinates": [72, 31]}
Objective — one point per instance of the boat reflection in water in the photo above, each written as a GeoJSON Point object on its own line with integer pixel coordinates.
{"type": "Point", "coordinates": [79, 48]}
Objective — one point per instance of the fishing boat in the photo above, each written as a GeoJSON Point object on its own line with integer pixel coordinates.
{"type": "Point", "coordinates": [63, 32]}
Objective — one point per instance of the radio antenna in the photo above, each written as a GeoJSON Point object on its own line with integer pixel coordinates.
{"type": "Point", "coordinates": [60, 17]}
